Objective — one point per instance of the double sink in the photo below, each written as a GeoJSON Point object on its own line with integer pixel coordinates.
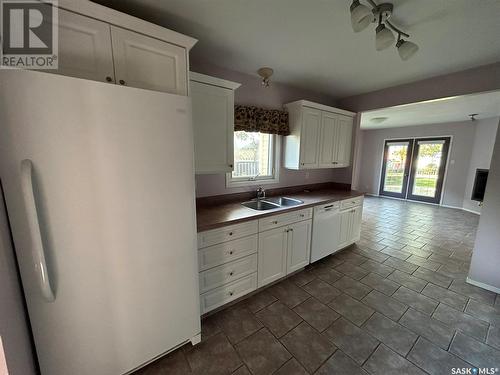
{"type": "Point", "coordinates": [263, 204]}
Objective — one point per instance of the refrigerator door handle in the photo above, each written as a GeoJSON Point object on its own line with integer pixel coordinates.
{"type": "Point", "coordinates": [34, 230]}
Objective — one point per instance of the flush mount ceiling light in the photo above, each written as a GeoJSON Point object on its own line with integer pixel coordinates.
{"type": "Point", "coordinates": [362, 16]}
{"type": "Point", "coordinates": [473, 116]}
{"type": "Point", "coordinates": [378, 120]}
{"type": "Point", "coordinates": [265, 73]}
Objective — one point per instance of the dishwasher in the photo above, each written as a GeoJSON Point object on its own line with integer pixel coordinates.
{"type": "Point", "coordinates": [326, 230]}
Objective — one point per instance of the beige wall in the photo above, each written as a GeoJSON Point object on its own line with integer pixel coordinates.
{"type": "Point", "coordinates": [485, 265]}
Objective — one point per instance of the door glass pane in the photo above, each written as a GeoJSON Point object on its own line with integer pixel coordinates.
{"type": "Point", "coordinates": [395, 167]}
{"type": "Point", "coordinates": [427, 170]}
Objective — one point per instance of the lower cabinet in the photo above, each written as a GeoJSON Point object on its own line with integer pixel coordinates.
{"type": "Point", "coordinates": [350, 226]}
{"type": "Point", "coordinates": [283, 250]}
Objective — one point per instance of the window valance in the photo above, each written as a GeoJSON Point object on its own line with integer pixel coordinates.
{"type": "Point", "coordinates": [255, 119]}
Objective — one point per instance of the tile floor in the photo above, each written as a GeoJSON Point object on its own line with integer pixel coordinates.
{"type": "Point", "coordinates": [394, 303]}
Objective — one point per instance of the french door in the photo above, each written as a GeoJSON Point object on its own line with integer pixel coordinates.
{"type": "Point", "coordinates": [415, 168]}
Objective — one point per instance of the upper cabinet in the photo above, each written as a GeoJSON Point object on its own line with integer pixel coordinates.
{"type": "Point", "coordinates": [98, 43]}
{"type": "Point", "coordinates": [320, 136]}
{"type": "Point", "coordinates": [213, 123]}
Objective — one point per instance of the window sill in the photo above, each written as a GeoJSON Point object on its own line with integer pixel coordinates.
{"type": "Point", "coordinates": [242, 183]}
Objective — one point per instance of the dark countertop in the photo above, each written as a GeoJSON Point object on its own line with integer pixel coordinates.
{"type": "Point", "coordinates": [216, 216]}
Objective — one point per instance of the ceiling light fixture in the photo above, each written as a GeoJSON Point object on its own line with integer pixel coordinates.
{"type": "Point", "coordinates": [473, 116]}
{"type": "Point", "coordinates": [362, 16]}
{"type": "Point", "coordinates": [265, 73]}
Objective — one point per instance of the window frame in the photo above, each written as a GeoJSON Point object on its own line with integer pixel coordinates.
{"type": "Point", "coordinates": [260, 180]}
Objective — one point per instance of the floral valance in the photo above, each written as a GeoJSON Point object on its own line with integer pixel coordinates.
{"type": "Point", "coordinates": [254, 119]}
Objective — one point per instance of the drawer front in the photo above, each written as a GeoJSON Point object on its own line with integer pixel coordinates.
{"type": "Point", "coordinates": [216, 255]}
{"type": "Point", "coordinates": [231, 232]}
{"type": "Point", "coordinates": [227, 293]}
{"type": "Point", "coordinates": [227, 273]}
{"type": "Point", "coordinates": [349, 203]}
{"type": "Point", "coordinates": [277, 221]}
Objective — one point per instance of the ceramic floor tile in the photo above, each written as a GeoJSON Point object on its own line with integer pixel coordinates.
{"type": "Point", "coordinates": [475, 352]}
{"type": "Point", "coordinates": [416, 300]}
{"type": "Point", "coordinates": [433, 359]}
{"type": "Point", "coordinates": [352, 340]}
{"type": "Point", "coordinates": [174, 364]}
{"type": "Point", "coordinates": [424, 262]}
{"type": "Point", "coordinates": [237, 323]}
{"type": "Point", "coordinates": [464, 322]}
{"type": "Point", "coordinates": [490, 314]}
{"type": "Point", "coordinates": [243, 370]}
{"type": "Point", "coordinates": [214, 356]}
{"type": "Point", "coordinates": [351, 309]}
{"type": "Point", "coordinates": [292, 367]}
{"type": "Point", "coordinates": [377, 268]}
{"type": "Point", "coordinates": [321, 290]}
{"type": "Point", "coordinates": [303, 277]}
{"type": "Point", "coordinates": [352, 270]}
{"type": "Point", "coordinates": [494, 337]}
{"type": "Point", "coordinates": [262, 352]}
{"type": "Point", "coordinates": [433, 277]}
{"type": "Point", "coordinates": [340, 363]}
{"type": "Point", "coordinates": [288, 293]}
{"type": "Point", "coordinates": [385, 362]}
{"type": "Point", "coordinates": [388, 306]}
{"type": "Point", "coordinates": [317, 314]}
{"type": "Point", "coordinates": [377, 282]}
{"type": "Point", "coordinates": [395, 336]}
{"type": "Point", "coordinates": [408, 280]}
{"type": "Point", "coordinates": [478, 294]}
{"type": "Point", "coordinates": [308, 346]}
{"type": "Point", "coordinates": [401, 265]}
{"type": "Point", "coordinates": [259, 301]}
{"type": "Point", "coordinates": [430, 328]}
{"type": "Point", "coordinates": [352, 287]}
{"type": "Point", "coordinates": [443, 295]}
{"type": "Point", "coordinates": [278, 318]}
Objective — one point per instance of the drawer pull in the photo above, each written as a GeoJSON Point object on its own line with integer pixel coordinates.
{"type": "Point", "coordinates": [302, 215]}
{"type": "Point", "coordinates": [329, 206]}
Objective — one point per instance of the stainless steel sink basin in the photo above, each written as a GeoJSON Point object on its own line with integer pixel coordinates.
{"type": "Point", "coordinates": [284, 201]}
{"type": "Point", "coordinates": [260, 205]}
{"type": "Point", "coordinates": [271, 203]}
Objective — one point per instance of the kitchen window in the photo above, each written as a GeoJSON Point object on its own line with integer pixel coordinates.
{"type": "Point", "coordinates": [256, 159]}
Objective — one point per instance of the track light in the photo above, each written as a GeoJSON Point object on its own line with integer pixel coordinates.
{"type": "Point", "coordinates": [383, 37]}
{"type": "Point", "coordinates": [406, 49]}
{"type": "Point", "coordinates": [361, 16]}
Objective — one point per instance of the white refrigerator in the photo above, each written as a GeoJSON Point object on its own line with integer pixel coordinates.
{"type": "Point", "coordinates": [99, 186]}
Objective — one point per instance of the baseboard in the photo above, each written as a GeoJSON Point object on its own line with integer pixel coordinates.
{"type": "Point", "coordinates": [471, 211]}
{"type": "Point", "coordinates": [432, 204]}
{"type": "Point", "coordinates": [482, 285]}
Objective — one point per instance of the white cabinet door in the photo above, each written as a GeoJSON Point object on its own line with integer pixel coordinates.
{"type": "Point", "coordinates": [344, 141]}
{"type": "Point", "coordinates": [345, 228]}
{"type": "Point", "coordinates": [272, 255]}
{"type": "Point", "coordinates": [328, 140]}
{"type": "Point", "coordinates": [311, 124]}
{"type": "Point", "coordinates": [213, 122]}
{"type": "Point", "coordinates": [84, 48]}
{"type": "Point", "coordinates": [299, 245]}
{"type": "Point", "coordinates": [149, 63]}
{"type": "Point", "coordinates": [356, 223]}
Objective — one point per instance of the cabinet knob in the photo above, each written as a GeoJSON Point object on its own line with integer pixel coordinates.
{"type": "Point", "coordinates": [231, 293]}
{"type": "Point", "coordinates": [230, 166]}
{"type": "Point", "coordinates": [302, 163]}
{"type": "Point", "coordinates": [291, 229]}
{"type": "Point", "coordinates": [302, 215]}
{"type": "Point", "coordinates": [122, 82]}
{"type": "Point", "coordinates": [109, 79]}
{"type": "Point", "coordinates": [230, 233]}
{"type": "Point", "coordinates": [231, 252]}
{"type": "Point", "coordinates": [231, 273]}
{"type": "Point", "coordinates": [275, 222]}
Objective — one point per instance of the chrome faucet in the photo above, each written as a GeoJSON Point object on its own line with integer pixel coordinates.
{"type": "Point", "coordinates": [261, 192]}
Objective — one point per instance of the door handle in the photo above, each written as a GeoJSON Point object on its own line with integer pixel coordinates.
{"type": "Point", "coordinates": [37, 249]}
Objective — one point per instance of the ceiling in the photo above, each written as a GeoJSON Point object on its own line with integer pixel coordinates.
{"type": "Point", "coordinates": [310, 43]}
{"type": "Point", "coordinates": [453, 109]}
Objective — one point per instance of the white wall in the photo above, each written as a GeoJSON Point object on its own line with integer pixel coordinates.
{"type": "Point", "coordinates": [13, 327]}
{"type": "Point", "coordinates": [482, 150]}
{"type": "Point", "coordinates": [485, 263]}
{"type": "Point", "coordinates": [372, 149]}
